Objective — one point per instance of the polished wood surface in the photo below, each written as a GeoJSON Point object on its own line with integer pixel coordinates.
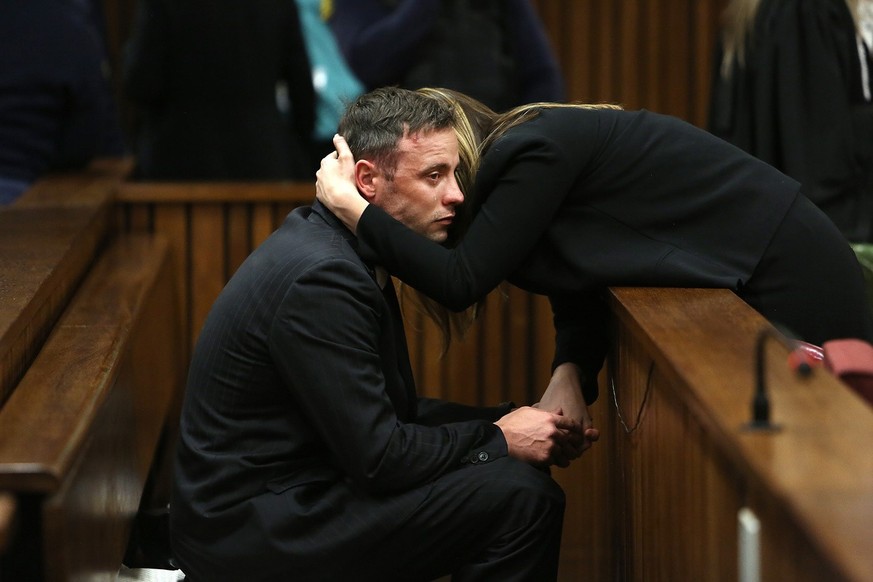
{"type": "Point", "coordinates": [79, 434]}
{"type": "Point", "coordinates": [65, 387]}
{"type": "Point", "coordinates": [90, 369]}
{"type": "Point", "coordinates": [683, 363]}
{"type": "Point", "coordinates": [48, 238]}
{"type": "Point", "coordinates": [43, 257]}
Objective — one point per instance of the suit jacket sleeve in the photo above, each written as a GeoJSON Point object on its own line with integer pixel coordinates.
{"type": "Point", "coordinates": [433, 412]}
{"type": "Point", "coordinates": [326, 342]}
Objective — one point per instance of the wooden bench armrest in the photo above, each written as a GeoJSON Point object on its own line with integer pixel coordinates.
{"type": "Point", "coordinates": [51, 413]}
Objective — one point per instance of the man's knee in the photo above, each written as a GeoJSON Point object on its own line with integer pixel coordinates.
{"type": "Point", "coordinates": [526, 493]}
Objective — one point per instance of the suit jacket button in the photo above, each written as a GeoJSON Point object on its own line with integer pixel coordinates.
{"type": "Point", "coordinates": [483, 456]}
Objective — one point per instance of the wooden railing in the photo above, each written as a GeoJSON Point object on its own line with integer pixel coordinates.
{"type": "Point", "coordinates": [90, 376]}
{"type": "Point", "coordinates": [658, 497]}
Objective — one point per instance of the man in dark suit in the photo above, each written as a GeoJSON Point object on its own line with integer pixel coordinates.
{"type": "Point", "coordinates": [305, 452]}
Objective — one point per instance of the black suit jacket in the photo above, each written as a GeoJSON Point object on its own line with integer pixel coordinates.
{"type": "Point", "coordinates": [302, 438]}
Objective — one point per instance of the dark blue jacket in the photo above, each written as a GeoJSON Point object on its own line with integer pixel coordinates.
{"type": "Point", "coordinates": [56, 107]}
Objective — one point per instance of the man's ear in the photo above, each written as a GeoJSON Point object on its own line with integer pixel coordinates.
{"type": "Point", "coordinates": [366, 176]}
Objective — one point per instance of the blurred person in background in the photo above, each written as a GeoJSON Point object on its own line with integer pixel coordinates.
{"type": "Point", "coordinates": [56, 107]}
{"type": "Point", "coordinates": [206, 77]}
{"type": "Point", "coordinates": [334, 82]}
{"type": "Point", "coordinates": [496, 51]}
{"type": "Point", "coordinates": [792, 87]}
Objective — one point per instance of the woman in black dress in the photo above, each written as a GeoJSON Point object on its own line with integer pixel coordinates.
{"type": "Point", "coordinates": [572, 199]}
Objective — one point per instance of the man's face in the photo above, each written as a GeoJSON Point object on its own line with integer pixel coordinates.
{"type": "Point", "coordinates": [424, 193]}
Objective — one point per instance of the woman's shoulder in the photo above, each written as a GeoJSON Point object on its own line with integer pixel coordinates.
{"type": "Point", "coordinates": [564, 129]}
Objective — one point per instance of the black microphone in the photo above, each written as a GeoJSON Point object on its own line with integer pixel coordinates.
{"type": "Point", "coordinates": [798, 360]}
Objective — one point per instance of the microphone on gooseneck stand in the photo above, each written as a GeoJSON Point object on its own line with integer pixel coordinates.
{"type": "Point", "coordinates": [799, 360]}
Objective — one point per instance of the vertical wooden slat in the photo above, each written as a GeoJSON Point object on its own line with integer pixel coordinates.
{"type": "Point", "coordinates": [461, 379]}
{"type": "Point", "coordinates": [431, 379]}
{"type": "Point", "coordinates": [207, 262]}
{"type": "Point", "coordinates": [604, 35]}
{"type": "Point", "coordinates": [171, 220]}
{"type": "Point", "coordinates": [139, 218]}
{"type": "Point", "coordinates": [238, 236]}
{"type": "Point", "coordinates": [514, 347]}
{"type": "Point", "coordinates": [578, 51]}
{"type": "Point", "coordinates": [413, 320]}
{"type": "Point", "coordinates": [706, 19]}
{"type": "Point", "coordinates": [543, 347]}
{"type": "Point", "coordinates": [491, 359]}
{"type": "Point", "coordinates": [262, 223]}
{"type": "Point", "coordinates": [629, 57]}
{"type": "Point", "coordinates": [676, 81]}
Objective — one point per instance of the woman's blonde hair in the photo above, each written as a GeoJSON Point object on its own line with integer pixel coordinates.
{"type": "Point", "coordinates": [470, 136]}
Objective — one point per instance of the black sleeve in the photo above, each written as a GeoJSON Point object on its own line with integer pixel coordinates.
{"type": "Point", "coordinates": [534, 178]}
{"type": "Point", "coordinates": [433, 412]}
{"type": "Point", "coordinates": [581, 336]}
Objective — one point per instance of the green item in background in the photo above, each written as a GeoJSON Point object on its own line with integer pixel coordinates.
{"type": "Point", "coordinates": [864, 252]}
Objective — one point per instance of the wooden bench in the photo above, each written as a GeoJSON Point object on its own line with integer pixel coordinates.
{"type": "Point", "coordinates": [78, 435]}
{"type": "Point", "coordinates": [88, 322]}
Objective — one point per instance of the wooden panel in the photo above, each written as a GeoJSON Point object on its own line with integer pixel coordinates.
{"type": "Point", "coordinates": [62, 391]}
{"type": "Point", "coordinates": [87, 522]}
{"type": "Point", "coordinates": [79, 434]}
{"type": "Point", "coordinates": [239, 237]}
{"type": "Point", "coordinates": [653, 54]}
{"type": "Point", "coordinates": [207, 276]}
{"type": "Point", "coordinates": [48, 238]}
{"type": "Point", "coordinates": [683, 362]}
{"type": "Point", "coordinates": [171, 221]}
{"type": "Point", "coordinates": [263, 223]}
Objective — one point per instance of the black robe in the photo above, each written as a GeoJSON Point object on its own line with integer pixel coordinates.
{"type": "Point", "coordinates": [798, 104]}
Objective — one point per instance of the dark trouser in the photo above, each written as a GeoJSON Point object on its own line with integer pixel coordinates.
{"type": "Point", "coordinates": [810, 281]}
{"type": "Point", "coordinates": [495, 521]}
